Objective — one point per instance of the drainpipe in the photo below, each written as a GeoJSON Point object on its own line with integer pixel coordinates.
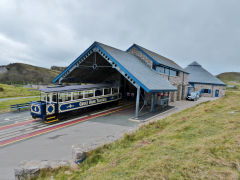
{"type": "Point", "coordinates": [183, 89]}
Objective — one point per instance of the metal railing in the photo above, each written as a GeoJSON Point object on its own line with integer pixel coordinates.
{"type": "Point", "coordinates": [18, 107]}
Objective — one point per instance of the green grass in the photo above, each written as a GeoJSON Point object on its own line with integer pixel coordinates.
{"type": "Point", "coordinates": [5, 105]}
{"type": "Point", "coordinates": [202, 142]}
{"type": "Point", "coordinates": [15, 91]}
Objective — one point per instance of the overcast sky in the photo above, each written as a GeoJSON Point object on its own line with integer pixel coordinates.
{"type": "Point", "coordinates": [55, 32]}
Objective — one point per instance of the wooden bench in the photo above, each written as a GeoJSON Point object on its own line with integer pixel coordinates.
{"type": "Point", "coordinates": [18, 107]}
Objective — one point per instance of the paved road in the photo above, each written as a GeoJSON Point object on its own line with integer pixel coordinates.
{"type": "Point", "coordinates": [56, 145]}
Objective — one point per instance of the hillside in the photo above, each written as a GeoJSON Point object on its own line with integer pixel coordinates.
{"type": "Point", "coordinates": [18, 73]}
{"type": "Point", "coordinates": [202, 142]}
{"type": "Point", "coordinates": [229, 76]}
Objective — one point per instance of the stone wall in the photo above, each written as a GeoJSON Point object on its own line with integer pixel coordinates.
{"type": "Point", "coordinates": [199, 87]}
{"type": "Point", "coordinates": [144, 58]}
{"type": "Point", "coordinates": [180, 83]}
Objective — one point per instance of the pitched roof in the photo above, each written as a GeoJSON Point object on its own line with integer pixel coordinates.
{"type": "Point", "coordinates": [138, 70]}
{"type": "Point", "coordinates": [200, 75]}
{"type": "Point", "coordinates": [145, 77]}
{"type": "Point", "coordinates": [158, 59]}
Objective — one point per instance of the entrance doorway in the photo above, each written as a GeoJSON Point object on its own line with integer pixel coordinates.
{"type": "Point", "coordinates": [217, 93]}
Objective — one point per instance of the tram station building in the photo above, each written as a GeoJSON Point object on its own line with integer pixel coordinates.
{"type": "Point", "coordinates": [202, 80]}
{"type": "Point", "coordinates": [142, 75]}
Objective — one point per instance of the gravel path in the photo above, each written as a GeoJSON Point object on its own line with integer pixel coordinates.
{"type": "Point", "coordinates": [13, 98]}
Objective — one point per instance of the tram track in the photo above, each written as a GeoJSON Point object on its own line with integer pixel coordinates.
{"type": "Point", "coordinates": [9, 133]}
{"type": "Point", "coordinates": [27, 129]}
{"type": "Point", "coordinates": [17, 124]}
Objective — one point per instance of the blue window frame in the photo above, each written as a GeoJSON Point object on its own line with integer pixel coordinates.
{"type": "Point", "coordinates": [206, 91]}
{"type": "Point", "coordinates": [167, 71]}
{"type": "Point", "coordinates": [173, 73]}
{"type": "Point", "coordinates": [160, 69]}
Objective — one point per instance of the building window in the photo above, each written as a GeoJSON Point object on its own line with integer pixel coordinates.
{"type": "Point", "coordinates": [167, 71]}
{"type": "Point", "coordinates": [160, 69]}
{"type": "Point", "coordinates": [206, 91]}
{"type": "Point", "coordinates": [173, 73]}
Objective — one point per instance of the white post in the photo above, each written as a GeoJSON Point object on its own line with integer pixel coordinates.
{"type": "Point", "coordinates": [153, 103]}
{"type": "Point", "coordinates": [137, 102]}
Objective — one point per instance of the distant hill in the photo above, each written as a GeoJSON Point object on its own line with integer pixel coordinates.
{"type": "Point", "coordinates": [229, 76]}
{"type": "Point", "coordinates": [18, 73]}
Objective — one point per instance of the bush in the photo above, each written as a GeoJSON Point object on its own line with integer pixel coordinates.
{"type": "Point", "coordinates": [1, 89]}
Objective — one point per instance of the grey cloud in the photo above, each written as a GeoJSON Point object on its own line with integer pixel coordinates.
{"type": "Point", "coordinates": [49, 33]}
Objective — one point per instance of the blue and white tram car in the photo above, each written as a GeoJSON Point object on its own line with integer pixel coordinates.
{"type": "Point", "coordinates": [59, 100]}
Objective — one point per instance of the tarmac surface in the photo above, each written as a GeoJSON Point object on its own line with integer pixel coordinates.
{"type": "Point", "coordinates": [56, 145]}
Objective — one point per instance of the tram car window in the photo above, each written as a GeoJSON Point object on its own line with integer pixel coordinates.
{"type": "Point", "coordinates": [43, 97]}
{"type": "Point", "coordinates": [107, 91]}
{"type": "Point", "coordinates": [62, 97]}
{"type": "Point", "coordinates": [80, 94]}
{"type": "Point", "coordinates": [48, 98]}
{"type": "Point", "coordinates": [89, 94]}
{"type": "Point", "coordinates": [75, 95]}
{"type": "Point", "coordinates": [98, 92]}
{"type": "Point", "coordinates": [69, 96]}
{"type": "Point", "coordinates": [54, 97]}
{"type": "Point", "coordinates": [114, 90]}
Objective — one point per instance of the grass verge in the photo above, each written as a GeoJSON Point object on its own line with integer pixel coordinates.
{"type": "Point", "coordinates": [15, 91]}
{"type": "Point", "coordinates": [202, 142]}
{"type": "Point", "coordinates": [5, 105]}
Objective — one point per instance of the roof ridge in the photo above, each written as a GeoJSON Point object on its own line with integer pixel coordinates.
{"type": "Point", "coordinates": [99, 43]}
